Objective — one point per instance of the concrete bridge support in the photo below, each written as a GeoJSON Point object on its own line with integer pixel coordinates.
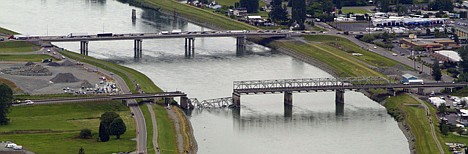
{"type": "Point", "coordinates": [189, 47]}
{"type": "Point", "coordinates": [84, 47]}
{"type": "Point", "coordinates": [138, 48]}
{"type": "Point", "coordinates": [240, 46]}
{"type": "Point", "coordinates": [339, 102]}
{"type": "Point", "coordinates": [184, 103]}
{"type": "Point", "coordinates": [236, 100]}
{"type": "Point", "coordinates": [288, 111]}
{"type": "Point", "coordinates": [420, 91]}
{"type": "Point", "coordinates": [288, 98]}
{"type": "Point", "coordinates": [391, 91]}
{"type": "Point", "coordinates": [339, 96]}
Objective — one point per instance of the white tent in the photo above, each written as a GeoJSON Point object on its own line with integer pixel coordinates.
{"type": "Point", "coordinates": [436, 101]}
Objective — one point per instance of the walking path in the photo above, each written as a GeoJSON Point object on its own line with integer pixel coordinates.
{"type": "Point", "coordinates": [180, 138]}
{"type": "Point", "coordinates": [433, 132]}
{"type": "Point", "coordinates": [155, 128]}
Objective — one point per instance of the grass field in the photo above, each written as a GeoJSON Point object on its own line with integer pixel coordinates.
{"type": "Point", "coordinates": [54, 128]}
{"type": "Point", "coordinates": [346, 10]}
{"type": "Point", "coordinates": [166, 131]}
{"type": "Point", "coordinates": [14, 46]}
{"type": "Point", "coordinates": [205, 17]}
{"type": "Point", "coordinates": [343, 65]}
{"type": "Point", "coordinates": [416, 118]}
{"type": "Point", "coordinates": [347, 47]}
{"type": "Point", "coordinates": [7, 32]}
{"type": "Point", "coordinates": [24, 57]}
{"type": "Point", "coordinates": [149, 129]}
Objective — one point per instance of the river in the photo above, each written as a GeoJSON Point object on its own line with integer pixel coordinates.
{"type": "Point", "coordinates": [264, 126]}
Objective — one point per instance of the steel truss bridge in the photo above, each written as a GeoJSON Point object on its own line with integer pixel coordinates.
{"type": "Point", "coordinates": [288, 86]}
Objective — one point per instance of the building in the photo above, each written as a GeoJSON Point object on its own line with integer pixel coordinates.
{"type": "Point", "coordinates": [407, 21]}
{"type": "Point", "coordinates": [429, 44]}
{"type": "Point", "coordinates": [437, 101]}
{"type": "Point", "coordinates": [447, 56]}
{"type": "Point", "coordinates": [406, 77]}
{"type": "Point", "coordinates": [240, 12]}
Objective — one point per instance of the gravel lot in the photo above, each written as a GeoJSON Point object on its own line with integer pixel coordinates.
{"type": "Point", "coordinates": [40, 84]}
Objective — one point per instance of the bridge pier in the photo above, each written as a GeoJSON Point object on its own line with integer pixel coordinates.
{"type": "Point", "coordinates": [137, 48]}
{"type": "Point", "coordinates": [420, 91]}
{"type": "Point", "coordinates": [339, 96]}
{"type": "Point", "coordinates": [391, 91]}
{"type": "Point", "coordinates": [189, 47]}
{"type": "Point", "coordinates": [288, 111]}
{"type": "Point", "coordinates": [84, 47]}
{"type": "Point", "coordinates": [240, 45]}
{"type": "Point", "coordinates": [288, 98]}
{"type": "Point", "coordinates": [184, 102]}
{"type": "Point", "coordinates": [339, 102]}
{"type": "Point", "coordinates": [236, 100]}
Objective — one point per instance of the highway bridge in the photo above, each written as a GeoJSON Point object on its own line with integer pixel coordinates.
{"type": "Point", "coordinates": [184, 100]}
{"type": "Point", "coordinates": [339, 85]}
{"type": "Point", "coordinates": [189, 36]}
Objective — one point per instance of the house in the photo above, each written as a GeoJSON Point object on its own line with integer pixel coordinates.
{"type": "Point", "coordinates": [447, 56]}
{"type": "Point", "coordinates": [406, 77]}
{"type": "Point", "coordinates": [240, 12]}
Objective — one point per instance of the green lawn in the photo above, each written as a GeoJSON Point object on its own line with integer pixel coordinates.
{"type": "Point", "coordinates": [54, 128]}
{"type": "Point", "coordinates": [416, 118]}
{"type": "Point", "coordinates": [347, 47]}
{"type": "Point", "coordinates": [48, 96]}
{"type": "Point", "coordinates": [7, 32]}
{"type": "Point", "coordinates": [342, 65]}
{"type": "Point", "coordinates": [231, 2]}
{"type": "Point", "coordinates": [166, 131]}
{"type": "Point", "coordinates": [24, 57]}
{"type": "Point", "coordinates": [16, 46]}
{"type": "Point", "coordinates": [200, 15]}
{"type": "Point", "coordinates": [346, 10]}
{"type": "Point", "coordinates": [149, 129]}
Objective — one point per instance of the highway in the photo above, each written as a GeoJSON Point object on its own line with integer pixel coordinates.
{"type": "Point", "coordinates": [193, 34]}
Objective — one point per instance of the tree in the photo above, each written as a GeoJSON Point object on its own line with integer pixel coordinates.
{"type": "Point", "coordinates": [441, 5]}
{"type": "Point", "coordinates": [299, 12]}
{"type": "Point", "coordinates": [103, 133]}
{"type": "Point", "coordinates": [442, 108]}
{"type": "Point", "coordinates": [444, 129]}
{"type": "Point", "coordinates": [108, 117]}
{"type": "Point", "coordinates": [338, 4]}
{"type": "Point", "coordinates": [463, 64]}
{"type": "Point", "coordinates": [384, 5]}
{"type": "Point", "coordinates": [436, 71]}
{"type": "Point", "coordinates": [460, 131]}
{"type": "Point", "coordinates": [6, 96]}
{"type": "Point", "coordinates": [81, 151]}
{"type": "Point", "coordinates": [117, 127]}
{"type": "Point", "coordinates": [455, 38]}
{"type": "Point", "coordinates": [86, 133]}
{"type": "Point", "coordinates": [278, 13]}
{"type": "Point", "coordinates": [250, 5]}
{"type": "Point", "coordinates": [428, 31]}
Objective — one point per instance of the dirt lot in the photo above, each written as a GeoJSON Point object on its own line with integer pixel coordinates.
{"type": "Point", "coordinates": [41, 85]}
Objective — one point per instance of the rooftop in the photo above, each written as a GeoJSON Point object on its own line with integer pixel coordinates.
{"type": "Point", "coordinates": [452, 55]}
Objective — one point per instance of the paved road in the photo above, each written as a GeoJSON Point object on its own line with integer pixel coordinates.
{"type": "Point", "coordinates": [433, 132]}
{"type": "Point", "coordinates": [155, 128]}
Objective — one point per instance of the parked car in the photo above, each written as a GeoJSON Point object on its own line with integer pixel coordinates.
{"type": "Point", "coordinates": [29, 102]}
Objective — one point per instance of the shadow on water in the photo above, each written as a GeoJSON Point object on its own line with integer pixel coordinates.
{"type": "Point", "coordinates": [292, 116]}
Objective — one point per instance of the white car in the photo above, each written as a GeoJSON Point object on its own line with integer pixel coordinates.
{"type": "Point", "coordinates": [29, 102]}
{"type": "Point", "coordinates": [10, 145]}
{"type": "Point", "coordinates": [394, 54]}
{"type": "Point", "coordinates": [375, 47]}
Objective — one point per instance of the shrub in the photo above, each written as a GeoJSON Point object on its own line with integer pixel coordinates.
{"type": "Point", "coordinates": [86, 133]}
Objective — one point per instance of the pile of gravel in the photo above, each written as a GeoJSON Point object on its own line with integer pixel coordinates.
{"type": "Point", "coordinates": [29, 70]}
{"type": "Point", "coordinates": [29, 63]}
{"type": "Point", "coordinates": [53, 64]}
{"type": "Point", "coordinates": [64, 78]}
{"type": "Point", "coordinates": [86, 84]}
{"type": "Point", "coordinates": [67, 63]}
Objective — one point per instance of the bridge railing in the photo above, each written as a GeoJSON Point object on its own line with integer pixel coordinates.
{"type": "Point", "coordinates": [309, 82]}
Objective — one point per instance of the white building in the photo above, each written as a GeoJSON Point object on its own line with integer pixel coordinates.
{"type": "Point", "coordinates": [436, 101]}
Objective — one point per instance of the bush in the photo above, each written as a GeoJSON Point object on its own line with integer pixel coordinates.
{"type": "Point", "coordinates": [86, 133]}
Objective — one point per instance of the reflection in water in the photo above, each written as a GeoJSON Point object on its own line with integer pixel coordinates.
{"type": "Point", "coordinates": [161, 21]}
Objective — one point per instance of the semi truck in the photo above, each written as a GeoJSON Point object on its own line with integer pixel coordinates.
{"type": "Point", "coordinates": [418, 81]}
{"type": "Point", "coordinates": [107, 34]}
